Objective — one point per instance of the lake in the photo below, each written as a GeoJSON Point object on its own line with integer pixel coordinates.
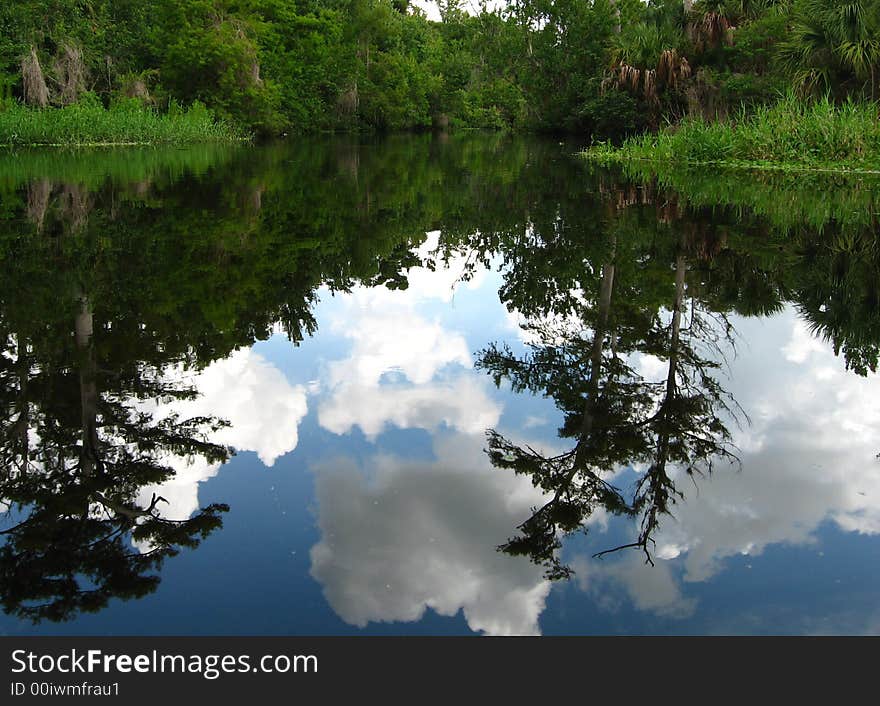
{"type": "Point", "coordinates": [434, 384]}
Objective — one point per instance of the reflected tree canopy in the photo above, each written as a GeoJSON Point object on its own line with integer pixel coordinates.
{"type": "Point", "coordinates": [584, 355]}
{"type": "Point", "coordinates": [123, 270]}
{"type": "Point", "coordinates": [124, 277]}
{"type": "Point", "coordinates": [656, 276]}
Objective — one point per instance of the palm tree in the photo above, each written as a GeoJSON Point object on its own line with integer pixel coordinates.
{"type": "Point", "coordinates": [645, 60]}
{"type": "Point", "coordinates": [710, 24]}
{"type": "Point", "coordinates": [834, 43]}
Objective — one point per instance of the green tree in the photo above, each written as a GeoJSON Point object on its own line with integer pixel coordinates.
{"type": "Point", "coordinates": [834, 46]}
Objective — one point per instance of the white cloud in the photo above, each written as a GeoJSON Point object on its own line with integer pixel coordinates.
{"type": "Point", "coordinates": [264, 412]}
{"type": "Point", "coordinates": [802, 344]}
{"type": "Point", "coordinates": [460, 402]}
{"type": "Point", "coordinates": [389, 336]}
{"type": "Point", "coordinates": [244, 389]}
{"type": "Point", "coordinates": [405, 368]}
{"type": "Point", "coordinates": [652, 589]}
{"type": "Point", "coordinates": [400, 537]}
{"type": "Point", "coordinates": [816, 456]}
{"type": "Point", "coordinates": [472, 8]}
{"type": "Point", "coordinates": [807, 457]}
{"type": "Point", "coordinates": [263, 409]}
{"type": "Point", "coordinates": [441, 283]}
{"type": "Point", "coordinates": [181, 492]}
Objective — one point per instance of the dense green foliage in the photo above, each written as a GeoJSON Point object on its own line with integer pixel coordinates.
{"type": "Point", "coordinates": [607, 67]}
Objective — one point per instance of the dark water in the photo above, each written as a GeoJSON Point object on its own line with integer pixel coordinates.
{"type": "Point", "coordinates": [434, 386]}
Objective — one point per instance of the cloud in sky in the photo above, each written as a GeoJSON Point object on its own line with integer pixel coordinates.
{"type": "Point", "coordinates": [388, 335]}
{"type": "Point", "coordinates": [460, 402]}
{"type": "Point", "coordinates": [400, 537]}
{"type": "Point", "coordinates": [405, 368]}
{"type": "Point", "coordinates": [263, 408]}
{"type": "Point", "coordinates": [264, 412]}
{"type": "Point", "coordinates": [808, 457]}
{"type": "Point", "coordinates": [652, 589]}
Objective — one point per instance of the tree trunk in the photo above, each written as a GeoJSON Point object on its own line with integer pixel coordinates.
{"type": "Point", "coordinates": [680, 270]}
{"type": "Point", "coordinates": [662, 456]}
{"type": "Point", "coordinates": [36, 93]}
{"type": "Point", "coordinates": [23, 420]}
{"type": "Point", "coordinates": [617, 15]}
{"type": "Point", "coordinates": [605, 291]}
{"type": "Point", "coordinates": [88, 388]}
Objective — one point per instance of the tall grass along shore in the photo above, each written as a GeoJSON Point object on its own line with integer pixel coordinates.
{"type": "Point", "coordinates": [126, 122]}
{"type": "Point", "coordinates": [788, 136]}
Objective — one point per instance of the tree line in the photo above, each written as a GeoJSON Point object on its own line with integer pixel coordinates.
{"type": "Point", "coordinates": [606, 67]}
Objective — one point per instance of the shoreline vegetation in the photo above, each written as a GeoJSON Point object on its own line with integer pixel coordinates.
{"type": "Point", "coordinates": [105, 72]}
{"type": "Point", "coordinates": [126, 122]}
{"type": "Point", "coordinates": [790, 136]}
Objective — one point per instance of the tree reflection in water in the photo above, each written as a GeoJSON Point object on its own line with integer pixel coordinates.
{"type": "Point", "coordinates": [587, 337]}
{"type": "Point", "coordinates": [115, 283]}
{"type": "Point", "coordinates": [119, 272]}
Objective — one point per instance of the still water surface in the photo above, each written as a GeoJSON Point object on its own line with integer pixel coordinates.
{"type": "Point", "coordinates": [434, 386]}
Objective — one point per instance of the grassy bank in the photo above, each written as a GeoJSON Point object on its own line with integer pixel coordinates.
{"type": "Point", "coordinates": [789, 136]}
{"type": "Point", "coordinates": [125, 123]}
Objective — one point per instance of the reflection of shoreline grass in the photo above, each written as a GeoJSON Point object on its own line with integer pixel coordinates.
{"type": "Point", "coordinates": [91, 166]}
{"type": "Point", "coordinates": [788, 137]}
{"type": "Point", "coordinates": [786, 200]}
{"type": "Point", "coordinates": [125, 123]}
